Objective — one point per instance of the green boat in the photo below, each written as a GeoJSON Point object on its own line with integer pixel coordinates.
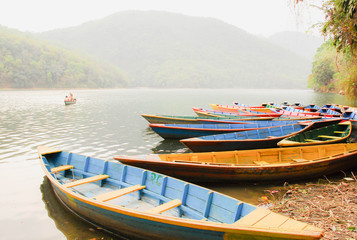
{"type": "Point", "coordinates": [335, 133]}
{"type": "Point", "coordinates": [172, 119]}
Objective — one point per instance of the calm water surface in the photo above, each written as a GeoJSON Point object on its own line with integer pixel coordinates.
{"type": "Point", "coordinates": [102, 124]}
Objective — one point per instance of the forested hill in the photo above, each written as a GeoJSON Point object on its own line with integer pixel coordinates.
{"type": "Point", "coordinates": [26, 62]}
{"type": "Point", "coordinates": [160, 49]}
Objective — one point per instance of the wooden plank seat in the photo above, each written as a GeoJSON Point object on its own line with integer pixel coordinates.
{"type": "Point", "coordinates": [166, 206]}
{"type": "Point", "coordinates": [118, 193]}
{"type": "Point", "coordinates": [311, 140]}
{"type": "Point", "coordinates": [327, 136]}
{"type": "Point", "coordinates": [261, 162]}
{"type": "Point", "coordinates": [61, 168]}
{"type": "Point", "coordinates": [299, 160]}
{"type": "Point", "coordinates": [339, 132]}
{"type": "Point", "coordinates": [85, 180]}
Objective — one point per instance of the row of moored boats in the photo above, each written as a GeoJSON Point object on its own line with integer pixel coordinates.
{"type": "Point", "coordinates": [139, 196]}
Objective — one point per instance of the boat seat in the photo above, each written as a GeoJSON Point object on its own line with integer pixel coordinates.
{"type": "Point", "coordinates": [327, 136]}
{"type": "Point", "coordinates": [300, 160]}
{"type": "Point", "coordinates": [261, 162]}
{"type": "Point", "coordinates": [85, 180]}
{"type": "Point", "coordinates": [118, 193]}
{"type": "Point", "coordinates": [61, 168]}
{"type": "Point", "coordinates": [166, 206]}
{"type": "Point", "coordinates": [339, 132]}
{"type": "Point", "coordinates": [311, 140]}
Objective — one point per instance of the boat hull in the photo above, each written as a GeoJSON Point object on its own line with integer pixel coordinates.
{"type": "Point", "coordinates": [221, 173]}
{"type": "Point", "coordinates": [131, 226]}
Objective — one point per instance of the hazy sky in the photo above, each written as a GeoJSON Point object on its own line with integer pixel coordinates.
{"type": "Point", "coordinates": [260, 17]}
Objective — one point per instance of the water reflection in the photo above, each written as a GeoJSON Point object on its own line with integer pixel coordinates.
{"type": "Point", "coordinates": [170, 146]}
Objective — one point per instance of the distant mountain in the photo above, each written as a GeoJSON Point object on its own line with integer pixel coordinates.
{"type": "Point", "coordinates": [26, 62]}
{"type": "Point", "coordinates": [160, 49]}
{"type": "Point", "coordinates": [299, 43]}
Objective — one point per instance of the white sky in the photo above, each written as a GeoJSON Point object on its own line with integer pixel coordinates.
{"type": "Point", "coordinates": [260, 17]}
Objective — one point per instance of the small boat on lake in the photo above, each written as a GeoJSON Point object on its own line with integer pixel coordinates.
{"type": "Point", "coordinates": [336, 133]}
{"type": "Point", "coordinates": [253, 139]}
{"type": "Point", "coordinates": [270, 164]}
{"type": "Point", "coordinates": [180, 131]}
{"type": "Point", "coordinates": [70, 100]}
{"type": "Point", "coordinates": [142, 204]}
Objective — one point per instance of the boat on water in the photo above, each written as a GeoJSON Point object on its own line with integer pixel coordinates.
{"type": "Point", "coordinates": [271, 164]}
{"type": "Point", "coordinates": [69, 100]}
{"type": "Point", "coordinates": [142, 204]}
{"type": "Point", "coordinates": [249, 113]}
{"type": "Point", "coordinates": [180, 131]}
{"type": "Point", "coordinates": [351, 115]}
{"type": "Point", "coordinates": [173, 119]}
{"type": "Point", "coordinates": [238, 109]}
{"type": "Point", "coordinates": [335, 133]}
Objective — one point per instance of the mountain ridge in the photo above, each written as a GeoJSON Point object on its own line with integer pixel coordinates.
{"type": "Point", "coordinates": [161, 49]}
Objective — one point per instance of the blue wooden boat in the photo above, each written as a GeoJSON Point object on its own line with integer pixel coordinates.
{"type": "Point", "coordinates": [253, 139]}
{"type": "Point", "coordinates": [142, 204]}
{"type": "Point", "coordinates": [312, 108]}
{"type": "Point", "coordinates": [326, 112]}
{"type": "Point", "coordinates": [352, 116]}
{"type": "Point", "coordinates": [180, 131]}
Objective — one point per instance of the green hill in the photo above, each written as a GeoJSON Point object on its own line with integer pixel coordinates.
{"type": "Point", "coordinates": [26, 62]}
{"type": "Point", "coordinates": [160, 49]}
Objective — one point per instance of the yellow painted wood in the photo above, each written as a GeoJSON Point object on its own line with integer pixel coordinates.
{"type": "Point", "coordinates": [273, 220]}
{"type": "Point", "coordinates": [61, 168]}
{"type": "Point", "coordinates": [118, 193]}
{"type": "Point", "coordinates": [253, 217]}
{"type": "Point", "coordinates": [312, 140]}
{"type": "Point", "coordinates": [300, 160]}
{"type": "Point", "coordinates": [339, 132]}
{"type": "Point", "coordinates": [293, 225]}
{"type": "Point", "coordinates": [261, 162]}
{"type": "Point", "coordinates": [166, 206]}
{"type": "Point", "coordinates": [85, 180]}
{"type": "Point", "coordinates": [43, 150]}
{"type": "Point", "coordinates": [327, 136]}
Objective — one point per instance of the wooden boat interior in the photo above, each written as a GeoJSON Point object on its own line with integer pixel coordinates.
{"type": "Point", "coordinates": [289, 155]}
{"type": "Point", "coordinates": [127, 187]}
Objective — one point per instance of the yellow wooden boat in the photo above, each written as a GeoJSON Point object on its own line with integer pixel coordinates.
{"type": "Point", "coordinates": [252, 165]}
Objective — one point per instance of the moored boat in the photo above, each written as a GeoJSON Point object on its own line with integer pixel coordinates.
{"type": "Point", "coordinates": [335, 133]}
{"type": "Point", "coordinates": [253, 139]}
{"type": "Point", "coordinates": [180, 131]}
{"type": "Point", "coordinates": [249, 113]}
{"type": "Point", "coordinates": [142, 204]}
{"type": "Point", "coordinates": [271, 164]}
{"type": "Point", "coordinates": [173, 119]}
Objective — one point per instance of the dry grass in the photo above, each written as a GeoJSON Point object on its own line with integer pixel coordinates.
{"type": "Point", "coordinates": [331, 206]}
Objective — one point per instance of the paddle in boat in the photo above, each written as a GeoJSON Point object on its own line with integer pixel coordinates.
{"type": "Point", "coordinates": [142, 204]}
{"type": "Point", "coordinates": [270, 164]}
{"type": "Point", "coordinates": [335, 133]}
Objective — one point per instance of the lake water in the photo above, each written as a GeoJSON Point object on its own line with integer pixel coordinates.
{"type": "Point", "coordinates": [102, 124]}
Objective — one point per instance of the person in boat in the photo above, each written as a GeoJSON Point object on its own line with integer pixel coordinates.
{"type": "Point", "coordinates": [70, 96]}
{"type": "Point", "coordinates": [66, 99]}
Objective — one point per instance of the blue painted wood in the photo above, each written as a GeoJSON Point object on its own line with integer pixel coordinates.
{"type": "Point", "coordinates": [238, 212]}
{"type": "Point", "coordinates": [208, 204]}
